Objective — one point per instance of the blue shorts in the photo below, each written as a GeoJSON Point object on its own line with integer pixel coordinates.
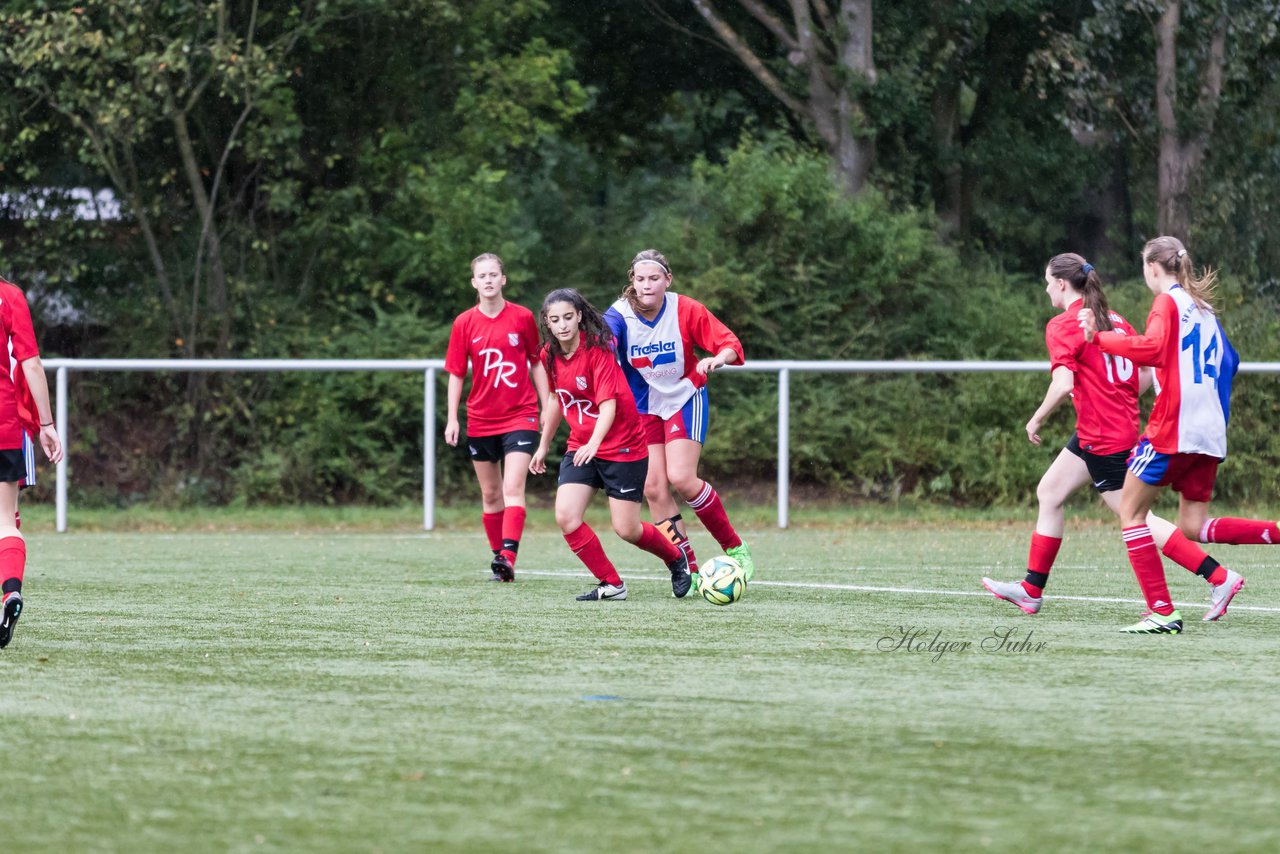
{"type": "Point", "coordinates": [1191, 475]}
{"type": "Point", "coordinates": [689, 423]}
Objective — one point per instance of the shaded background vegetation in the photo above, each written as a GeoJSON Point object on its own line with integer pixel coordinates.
{"type": "Point", "coordinates": [310, 179]}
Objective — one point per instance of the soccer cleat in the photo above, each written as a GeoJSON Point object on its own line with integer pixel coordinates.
{"type": "Point", "coordinates": [1156, 624]}
{"type": "Point", "coordinates": [742, 554]}
{"type": "Point", "coordinates": [1222, 595]}
{"type": "Point", "coordinates": [502, 569]}
{"type": "Point", "coordinates": [681, 580]}
{"type": "Point", "coordinates": [695, 582]}
{"type": "Point", "coordinates": [1013, 591]}
{"type": "Point", "coordinates": [9, 614]}
{"type": "Point", "coordinates": [604, 590]}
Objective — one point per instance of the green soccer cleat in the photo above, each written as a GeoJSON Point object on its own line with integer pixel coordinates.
{"type": "Point", "coordinates": [1156, 624]}
{"type": "Point", "coordinates": [742, 554]}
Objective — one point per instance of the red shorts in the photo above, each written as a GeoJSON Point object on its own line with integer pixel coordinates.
{"type": "Point", "coordinates": [1190, 475]}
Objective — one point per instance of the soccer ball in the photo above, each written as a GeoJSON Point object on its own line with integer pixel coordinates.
{"type": "Point", "coordinates": [722, 581]}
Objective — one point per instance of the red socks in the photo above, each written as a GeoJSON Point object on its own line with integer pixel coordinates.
{"type": "Point", "coordinates": [1240, 532]}
{"type": "Point", "coordinates": [1044, 550]}
{"type": "Point", "coordinates": [1147, 567]}
{"type": "Point", "coordinates": [512, 528]}
{"type": "Point", "coordinates": [586, 545]}
{"type": "Point", "coordinates": [655, 543]}
{"type": "Point", "coordinates": [711, 512]}
{"type": "Point", "coordinates": [13, 560]}
{"type": "Point", "coordinates": [493, 529]}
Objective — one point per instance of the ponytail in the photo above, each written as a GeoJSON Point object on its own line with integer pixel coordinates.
{"type": "Point", "coordinates": [1084, 278]}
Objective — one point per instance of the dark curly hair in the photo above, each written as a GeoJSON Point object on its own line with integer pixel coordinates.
{"type": "Point", "coordinates": [592, 329]}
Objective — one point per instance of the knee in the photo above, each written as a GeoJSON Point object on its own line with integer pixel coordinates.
{"type": "Point", "coordinates": [1048, 496]}
{"type": "Point", "coordinates": [688, 486]}
{"type": "Point", "coordinates": [1189, 529]}
{"type": "Point", "coordinates": [629, 531]}
{"type": "Point", "coordinates": [568, 522]}
{"type": "Point", "coordinates": [513, 498]}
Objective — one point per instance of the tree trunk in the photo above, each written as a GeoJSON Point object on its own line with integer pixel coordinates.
{"type": "Point", "coordinates": [856, 147]}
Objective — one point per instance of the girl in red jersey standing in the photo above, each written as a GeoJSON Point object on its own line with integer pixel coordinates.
{"type": "Point", "coordinates": [500, 340]}
{"type": "Point", "coordinates": [656, 332]}
{"type": "Point", "coordinates": [1186, 435]}
{"type": "Point", "coordinates": [24, 413]}
{"type": "Point", "coordinates": [1104, 390]}
{"type": "Point", "coordinates": [606, 447]}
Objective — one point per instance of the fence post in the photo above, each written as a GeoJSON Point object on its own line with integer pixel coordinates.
{"type": "Point", "coordinates": [429, 451]}
{"type": "Point", "coordinates": [784, 444]}
{"type": "Point", "coordinates": [60, 383]}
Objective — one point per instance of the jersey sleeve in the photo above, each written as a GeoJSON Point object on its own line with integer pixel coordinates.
{"type": "Point", "coordinates": [1149, 347]}
{"type": "Point", "coordinates": [609, 383]}
{"type": "Point", "coordinates": [1063, 350]}
{"type": "Point", "coordinates": [705, 330]}
{"type": "Point", "coordinates": [618, 326]}
{"type": "Point", "coordinates": [23, 333]}
{"type": "Point", "coordinates": [533, 339]}
{"type": "Point", "coordinates": [455, 359]}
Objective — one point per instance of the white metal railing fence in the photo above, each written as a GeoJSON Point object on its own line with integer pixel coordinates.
{"type": "Point", "coordinates": [783, 368]}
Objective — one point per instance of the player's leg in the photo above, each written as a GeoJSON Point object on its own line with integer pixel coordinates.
{"type": "Point", "coordinates": [620, 480]}
{"type": "Point", "coordinates": [13, 554]}
{"type": "Point", "coordinates": [1194, 485]}
{"type": "Point", "coordinates": [663, 509]}
{"type": "Point", "coordinates": [486, 451]}
{"type": "Point", "coordinates": [515, 471]}
{"type": "Point", "coordinates": [1067, 473]}
{"type": "Point", "coordinates": [1142, 486]}
{"type": "Point", "coordinates": [682, 470]}
{"type": "Point", "coordinates": [576, 486]}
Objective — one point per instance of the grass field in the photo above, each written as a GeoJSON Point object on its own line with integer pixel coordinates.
{"type": "Point", "coordinates": [270, 690]}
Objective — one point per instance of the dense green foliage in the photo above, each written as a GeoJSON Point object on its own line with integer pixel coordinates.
{"type": "Point", "coordinates": [311, 179]}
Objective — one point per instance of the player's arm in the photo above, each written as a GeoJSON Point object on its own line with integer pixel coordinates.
{"type": "Point", "coordinates": [551, 417]}
{"type": "Point", "coordinates": [454, 397]}
{"type": "Point", "coordinates": [1146, 379]}
{"type": "Point", "coordinates": [1145, 349]}
{"type": "Point", "coordinates": [38, 384]}
{"type": "Point", "coordinates": [707, 332]}
{"type": "Point", "coordinates": [1062, 381]}
{"type": "Point", "coordinates": [587, 453]}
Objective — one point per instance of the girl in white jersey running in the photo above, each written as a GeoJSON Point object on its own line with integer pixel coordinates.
{"type": "Point", "coordinates": [657, 332]}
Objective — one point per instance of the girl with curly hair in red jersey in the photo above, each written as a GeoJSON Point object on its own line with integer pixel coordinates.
{"type": "Point", "coordinates": [1104, 390]}
{"type": "Point", "coordinates": [606, 448]}
{"type": "Point", "coordinates": [500, 341]}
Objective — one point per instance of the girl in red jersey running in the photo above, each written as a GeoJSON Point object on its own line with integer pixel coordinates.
{"type": "Point", "coordinates": [1186, 435]}
{"type": "Point", "coordinates": [1104, 390]}
{"type": "Point", "coordinates": [656, 333]}
{"type": "Point", "coordinates": [500, 340]}
{"type": "Point", "coordinates": [606, 443]}
{"type": "Point", "coordinates": [24, 413]}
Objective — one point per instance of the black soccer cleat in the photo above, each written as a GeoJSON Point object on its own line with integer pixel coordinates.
{"type": "Point", "coordinates": [681, 581]}
{"type": "Point", "coordinates": [9, 614]}
{"type": "Point", "coordinates": [502, 569]}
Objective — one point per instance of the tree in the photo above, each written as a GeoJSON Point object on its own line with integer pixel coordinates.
{"type": "Point", "coordinates": [831, 69]}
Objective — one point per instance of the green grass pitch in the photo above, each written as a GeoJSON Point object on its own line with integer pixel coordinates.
{"type": "Point", "coordinates": [337, 691]}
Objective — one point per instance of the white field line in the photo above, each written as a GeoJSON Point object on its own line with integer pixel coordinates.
{"type": "Point", "coordinates": [907, 591]}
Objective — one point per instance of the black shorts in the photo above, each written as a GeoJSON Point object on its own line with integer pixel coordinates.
{"type": "Point", "coordinates": [623, 480]}
{"type": "Point", "coordinates": [1107, 470]}
{"type": "Point", "coordinates": [13, 465]}
{"type": "Point", "coordinates": [491, 449]}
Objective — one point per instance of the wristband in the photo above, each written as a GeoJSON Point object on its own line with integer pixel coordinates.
{"type": "Point", "coordinates": [43, 424]}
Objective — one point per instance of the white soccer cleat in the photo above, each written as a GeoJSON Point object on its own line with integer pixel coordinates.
{"type": "Point", "coordinates": [1013, 591]}
{"type": "Point", "coordinates": [1222, 595]}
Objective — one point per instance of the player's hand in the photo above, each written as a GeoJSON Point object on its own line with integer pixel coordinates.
{"type": "Point", "coordinates": [585, 454]}
{"type": "Point", "coordinates": [51, 443]}
{"type": "Point", "coordinates": [1088, 323]}
{"type": "Point", "coordinates": [538, 465]}
{"type": "Point", "coordinates": [709, 364]}
{"type": "Point", "coordinates": [451, 432]}
{"type": "Point", "coordinates": [1033, 431]}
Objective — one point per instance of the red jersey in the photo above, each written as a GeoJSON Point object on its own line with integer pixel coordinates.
{"type": "Point", "coordinates": [17, 407]}
{"type": "Point", "coordinates": [582, 382]}
{"type": "Point", "coordinates": [1106, 387]}
{"type": "Point", "coordinates": [500, 350]}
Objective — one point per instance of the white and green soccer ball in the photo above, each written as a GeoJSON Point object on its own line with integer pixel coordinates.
{"type": "Point", "coordinates": [721, 581]}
